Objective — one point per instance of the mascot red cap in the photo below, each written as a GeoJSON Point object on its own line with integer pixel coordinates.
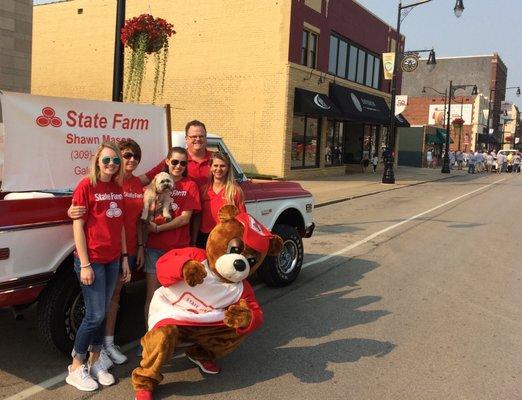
{"type": "Point", "coordinates": [255, 235]}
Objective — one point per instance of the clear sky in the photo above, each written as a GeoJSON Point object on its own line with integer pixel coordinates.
{"type": "Point", "coordinates": [485, 27]}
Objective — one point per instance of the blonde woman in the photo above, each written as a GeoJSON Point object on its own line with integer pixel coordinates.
{"type": "Point", "coordinates": [220, 190]}
{"type": "Point", "coordinates": [99, 237]}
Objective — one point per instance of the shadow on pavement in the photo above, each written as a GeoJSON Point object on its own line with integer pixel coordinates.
{"type": "Point", "coordinates": [295, 336]}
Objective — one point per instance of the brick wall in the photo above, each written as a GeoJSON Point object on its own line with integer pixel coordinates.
{"type": "Point", "coordinates": [15, 45]}
{"type": "Point", "coordinates": [226, 67]}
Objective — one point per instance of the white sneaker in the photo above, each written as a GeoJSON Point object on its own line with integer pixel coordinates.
{"type": "Point", "coordinates": [81, 379]}
{"type": "Point", "coordinates": [105, 359]}
{"type": "Point", "coordinates": [115, 354]}
{"type": "Point", "coordinates": [99, 372]}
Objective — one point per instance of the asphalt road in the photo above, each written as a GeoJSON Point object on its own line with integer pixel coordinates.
{"type": "Point", "coordinates": [409, 294]}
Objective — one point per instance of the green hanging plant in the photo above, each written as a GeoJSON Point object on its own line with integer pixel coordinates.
{"type": "Point", "coordinates": [142, 36]}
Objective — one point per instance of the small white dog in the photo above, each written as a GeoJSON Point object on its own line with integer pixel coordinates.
{"type": "Point", "coordinates": [158, 194]}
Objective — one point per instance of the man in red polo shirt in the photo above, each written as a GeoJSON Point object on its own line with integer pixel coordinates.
{"type": "Point", "coordinates": [198, 156]}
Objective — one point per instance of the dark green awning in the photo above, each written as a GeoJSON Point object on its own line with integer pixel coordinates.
{"type": "Point", "coordinates": [433, 139]}
{"type": "Point", "coordinates": [441, 133]}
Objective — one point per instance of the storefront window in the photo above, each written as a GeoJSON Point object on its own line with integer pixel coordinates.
{"type": "Point", "coordinates": [305, 142]}
{"type": "Point", "coordinates": [334, 144]}
{"type": "Point", "coordinates": [374, 140]}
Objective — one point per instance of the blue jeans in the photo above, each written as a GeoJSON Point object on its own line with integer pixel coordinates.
{"type": "Point", "coordinates": [96, 297]}
{"type": "Point", "coordinates": [151, 257]}
{"type": "Point", "coordinates": [471, 168]}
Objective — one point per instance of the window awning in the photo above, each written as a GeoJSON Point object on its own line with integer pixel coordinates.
{"type": "Point", "coordinates": [401, 121]}
{"type": "Point", "coordinates": [313, 103]}
{"type": "Point", "coordinates": [433, 139]}
{"type": "Point", "coordinates": [441, 133]}
{"type": "Point", "coordinates": [360, 106]}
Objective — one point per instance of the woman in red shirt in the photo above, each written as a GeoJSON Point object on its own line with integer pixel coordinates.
{"type": "Point", "coordinates": [133, 205]}
{"type": "Point", "coordinates": [174, 234]}
{"type": "Point", "coordinates": [99, 236]}
{"type": "Point", "coordinates": [221, 189]}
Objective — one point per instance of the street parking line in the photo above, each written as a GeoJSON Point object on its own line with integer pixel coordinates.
{"type": "Point", "coordinates": [405, 221]}
{"type": "Point", "coordinates": [59, 378]}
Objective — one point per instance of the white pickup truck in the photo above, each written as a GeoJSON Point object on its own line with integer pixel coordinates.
{"type": "Point", "coordinates": [36, 246]}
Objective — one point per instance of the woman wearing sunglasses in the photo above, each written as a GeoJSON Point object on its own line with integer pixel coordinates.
{"type": "Point", "coordinates": [99, 236]}
{"type": "Point", "coordinates": [221, 189]}
{"type": "Point", "coordinates": [174, 234]}
{"type": "Point", "coordinates": [133, 205]}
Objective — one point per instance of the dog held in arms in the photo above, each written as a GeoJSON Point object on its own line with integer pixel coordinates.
{"type": "Point", "coordinates": [157, 195]}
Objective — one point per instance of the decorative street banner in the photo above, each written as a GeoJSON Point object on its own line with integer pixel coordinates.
{"type": "Point", "coordinates": [49, 141]}
{"type": "Point", "coordinates": [388, 61]}
{"type": "Point", "coordinates": [401, 102]}
{"type": "Point", "coordinates": [436, 114]}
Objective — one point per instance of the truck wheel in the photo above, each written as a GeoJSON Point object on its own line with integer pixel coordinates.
{"type": "Point", "coordinates": [283, 269]}
{"type": "Point", "coordinates": [60, 312]}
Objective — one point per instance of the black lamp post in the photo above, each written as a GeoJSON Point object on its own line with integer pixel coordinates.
{"type": "Point", "coordinates": [402, 11]}
{"type": "Point", "coordinates": [117, 73]}
{"type": "Point", "coordinates": [452, 89]}
{"type": "Point", "coordinates": [490, 117]}
{"type": "Point", "coordinates": [445, 94]}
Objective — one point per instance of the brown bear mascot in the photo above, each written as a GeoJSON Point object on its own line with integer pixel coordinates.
{"type": "Point", "coordinates": [205, 298]}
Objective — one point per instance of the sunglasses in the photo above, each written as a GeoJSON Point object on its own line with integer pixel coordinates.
{"type": "Point", "coordinates": [128, 156]}
{"type": "Point", "coordinates": [107, 160]}
{"type": "Point", "coordinates": [176, 162]}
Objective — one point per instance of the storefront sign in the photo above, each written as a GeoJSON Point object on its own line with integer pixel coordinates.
{"type": "Point", "coordinates": [436, 114]}
{"type": "Point", "coordinates": [49, 141]}
{"type": "Point", "coordinates": [388, 61]}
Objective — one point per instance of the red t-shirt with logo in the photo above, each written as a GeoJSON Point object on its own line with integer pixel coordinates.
{"type": "Point", "coordinates": [103, 219]}
{"type": "Point", "coordinates": [211, 202]}
{"type": "Point", "coordinates": [198, 171]}
{"type": "Point", "coordinates": [133, 206]}
{"type": "Point", "coordinates": [185, 197]}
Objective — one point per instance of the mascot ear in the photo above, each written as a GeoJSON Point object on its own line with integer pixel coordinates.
{"type": "Point", "coordinates": [276, 245]}
{"type": "Point", "coordinates": [227, 212]}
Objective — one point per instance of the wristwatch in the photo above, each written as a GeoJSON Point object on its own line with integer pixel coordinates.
{"type": "Point", "coordinates": [124, 255]}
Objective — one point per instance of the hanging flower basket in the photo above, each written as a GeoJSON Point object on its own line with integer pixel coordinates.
{"type": "Point", "coordinates": [144, 36]}
{"type": "Point", "coordinates": [457, 122]}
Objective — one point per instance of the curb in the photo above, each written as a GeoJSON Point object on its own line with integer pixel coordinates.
{"type": "Point", "coordinates": [358, 196]}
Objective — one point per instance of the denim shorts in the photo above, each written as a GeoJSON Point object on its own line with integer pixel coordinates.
{"type": "Point", "coordinates": [151, 257]}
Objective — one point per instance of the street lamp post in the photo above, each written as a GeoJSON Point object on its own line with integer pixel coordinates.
{"type": "Point", "coordinates": [490, 111]}
{"type": "Point", "coordinates": [452, 89]}
{"type": "Point", "coordinates": [402, 11]}
{"type": "Point", "coordinates": [117, 72]}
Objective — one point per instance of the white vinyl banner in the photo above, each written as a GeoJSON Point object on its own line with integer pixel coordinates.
{"type": "Point", "coordinates": [49, 141]}
{"type": "Point", "coordinates": [437, 117]}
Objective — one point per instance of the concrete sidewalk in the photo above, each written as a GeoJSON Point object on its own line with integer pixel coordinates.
{"type": "Point", "coordinates": [329, 190]}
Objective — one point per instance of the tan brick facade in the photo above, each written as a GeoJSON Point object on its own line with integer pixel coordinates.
{"type": "Point", "coordinates": [228, 66]}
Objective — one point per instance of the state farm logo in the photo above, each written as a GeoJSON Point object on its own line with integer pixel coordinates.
{"type": "Point", "coordinates": [48, 117]}
{"type": "Point", "coordinates": [114, 211]}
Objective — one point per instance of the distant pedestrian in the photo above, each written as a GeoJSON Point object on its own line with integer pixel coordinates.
{"type": "Point", "coordinates": [471, 163]}
{"type": "Point", "coordinates": [429, 158]}
{"type": "Point", "coordinates": [375, 161]}
{"type": "Point", "coordinates": [489, 162]}
{"type": "Point", "coordinates": [365, 161]}
{"type": "Point", "coordinates": [451, 159]}
{"type": "Point", "coordinates": [460, 159]}
{"type": "Point", "coordinates": [516, 163]}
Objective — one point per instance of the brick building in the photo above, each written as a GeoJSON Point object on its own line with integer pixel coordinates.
{"type": "Point", "coordinates": [488, 73]}
{"type": "Point", "coordinates": [294, 86]}
{"type": "Point", "coordinates": [16, 17]}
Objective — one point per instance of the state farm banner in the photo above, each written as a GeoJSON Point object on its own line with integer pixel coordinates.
{"type": "Point", "coordinates": [49, 141]}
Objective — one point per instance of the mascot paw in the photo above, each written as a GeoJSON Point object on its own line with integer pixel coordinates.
{"type": "Point", "coordinates": [238, 315]}
{"type": "Point", "coordinates": [194, 273]}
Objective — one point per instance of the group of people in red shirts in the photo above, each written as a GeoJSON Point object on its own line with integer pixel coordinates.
{"type": "Point", "coordinates": [108, 234]}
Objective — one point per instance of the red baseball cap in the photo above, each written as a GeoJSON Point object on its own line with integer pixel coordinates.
{"type": "Point", "coordinates": [256, 235]}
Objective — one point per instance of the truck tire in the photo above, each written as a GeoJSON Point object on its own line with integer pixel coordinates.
{"type": "Point", "coordinates": [60, 311]}
{"type": "Point", "coordinates": [282, 270]}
